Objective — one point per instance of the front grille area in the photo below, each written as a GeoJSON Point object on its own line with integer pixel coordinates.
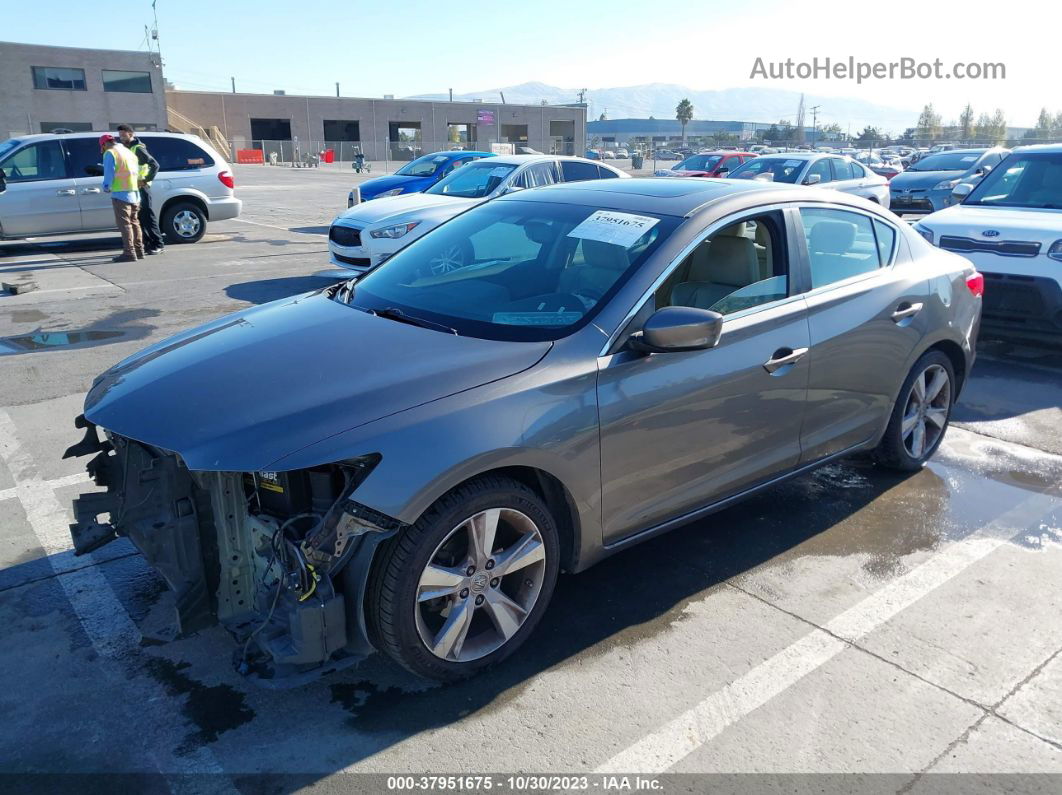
{"type": "Point", "coordinates": [1004, 248]}
{"type": "Point", "coordinates": [910, 203]}
{"type": "Point", "coordinates": [344, 236]}
{"type": "Point", "coordinates": [357, 262]}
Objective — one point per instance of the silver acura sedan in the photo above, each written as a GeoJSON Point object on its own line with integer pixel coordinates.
{"type": "Point", "coordinates": [406, 461]}
{"type": "Point", "coordinates": [815, 168]}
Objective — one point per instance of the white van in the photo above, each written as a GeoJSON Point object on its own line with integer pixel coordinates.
{"type": "Point", "coordinates": [50, 184]}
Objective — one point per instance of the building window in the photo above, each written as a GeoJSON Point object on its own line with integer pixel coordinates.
{"type": "Point", "coordinates": [126, 82]}
{"type": "Point", "coordinates": [341, 130]}
{"type": "Point", "coordinates": [71, 126]}
{"type": "Point", "coordinates": [271, 129]}
{"type": "Point", "coordinates": [136, 125]}
{"type": "Point", "coordinates": [58, 77]}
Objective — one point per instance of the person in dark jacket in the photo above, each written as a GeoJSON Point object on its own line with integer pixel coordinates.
{"type": "Point", "coordinates": [149, 167]}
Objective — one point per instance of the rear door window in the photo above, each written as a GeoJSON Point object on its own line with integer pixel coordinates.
{"type": "Point", "coordinates": [606, 173]}
{"type": "Point", "coordinates": [841, 245]}
{"type": "Point", "coordinates": [537, 175]}
{"type": "Point", "coordinates": [177, 154]}
{"type": "Point", "coordinates": [576, 171]}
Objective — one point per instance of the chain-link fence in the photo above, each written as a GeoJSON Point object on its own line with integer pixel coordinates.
{"type": "Point", "coordinates": [383, 155]}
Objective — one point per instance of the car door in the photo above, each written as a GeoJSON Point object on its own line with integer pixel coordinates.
{"type": "Point", "coordinates": [821, 169]}
{"type": "Point", "coordinates": [40, 198]}
{"type": "Point", "coordinates": [682, 430]}
{"type": "Point", "coordinates": [865, 317]}
{"type": "Point", "coordinates": [85, 163]}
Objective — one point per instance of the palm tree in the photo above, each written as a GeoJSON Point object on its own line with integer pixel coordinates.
{"type": "Point", "coordinates": [684, 113]}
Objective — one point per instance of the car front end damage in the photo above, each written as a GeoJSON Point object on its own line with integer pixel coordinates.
{"type": "Point", "coordinates": [280, 559]}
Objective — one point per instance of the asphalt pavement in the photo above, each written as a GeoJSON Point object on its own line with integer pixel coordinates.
{"type": "Point", "coordinates": [888, 631]}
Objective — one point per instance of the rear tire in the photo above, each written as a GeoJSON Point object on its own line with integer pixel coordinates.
{"type": "Point", "coordinates": [921, 415]}
{"type": "Point", "coordinates": [445, 606]}
{"type": "Point", "coordinates": [183, 222]}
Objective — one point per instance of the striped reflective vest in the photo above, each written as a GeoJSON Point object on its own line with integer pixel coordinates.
{"type": "Point", "coordinates": [126, 169]}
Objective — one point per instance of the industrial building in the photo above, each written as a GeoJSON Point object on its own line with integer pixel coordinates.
{"type": "Point", "coordinates": [393, 129]}
{"type": "Point", "coordinates": [73, 88]}
{"type": "Point", "coordinates": [662, 132]}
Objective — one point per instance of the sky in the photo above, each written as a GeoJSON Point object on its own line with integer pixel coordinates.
{"type": "Point", "coordinates": [406, 47]}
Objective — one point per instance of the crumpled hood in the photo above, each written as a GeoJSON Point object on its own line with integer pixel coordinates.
{"type": "Point", "coordinates": [243, 391]}
{"type": "Point", "coordinates": [923, 179]}
{"type": "Point", "coordinates": [361, 215]}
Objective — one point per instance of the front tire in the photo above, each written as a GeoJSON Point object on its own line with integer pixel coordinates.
{"type": "Point", "coordinates": [183, 222]}
{"type": "Point", "coordinates": [463, 588]}
{"type": "Point", "coordinates": [921, 414]}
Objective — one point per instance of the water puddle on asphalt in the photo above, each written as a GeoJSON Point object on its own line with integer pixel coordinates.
{"type": "Point", "coordinates": [50, 340]}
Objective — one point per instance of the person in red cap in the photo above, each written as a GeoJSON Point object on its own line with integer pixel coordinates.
{"type": "Point", "coordinates": [121, 179]}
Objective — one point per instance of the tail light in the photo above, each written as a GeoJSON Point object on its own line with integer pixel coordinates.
{"type": "Point", "coordinates": [226, 179]}
{"type": "Point", "coordinates": [975, 283]}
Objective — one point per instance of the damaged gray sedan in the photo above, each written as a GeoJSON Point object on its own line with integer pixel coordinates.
{"type": "Point", "coordinates": [405, 462]}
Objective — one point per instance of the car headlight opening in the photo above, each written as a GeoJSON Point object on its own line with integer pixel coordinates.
{"type": "Point", "coordinates": [392, 192]}
{"type": "Point", "coordinates": [946, 184]}
{"type": "Point", "coordinates": [394, 232]}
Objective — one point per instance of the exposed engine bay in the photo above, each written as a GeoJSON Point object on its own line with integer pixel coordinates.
{"type": "Point", "coordinates": [280, 559]}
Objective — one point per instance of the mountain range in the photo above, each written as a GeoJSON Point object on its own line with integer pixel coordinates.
{"type": "Point", "coordinates": [730, 104]}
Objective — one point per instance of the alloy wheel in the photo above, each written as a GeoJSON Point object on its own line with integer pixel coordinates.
{"type": "Point", "coordinates": [480, 585]}
{"type": "Point", "coordinates": [186, 223]}
{"type": "Point", "coordinates": [926, 412]}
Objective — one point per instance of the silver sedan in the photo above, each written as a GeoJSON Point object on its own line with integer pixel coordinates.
{"type": "Point", "coordinates": [814, 168]}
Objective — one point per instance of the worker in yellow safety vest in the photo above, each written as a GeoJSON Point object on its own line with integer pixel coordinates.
{"type": "Point", "coordinates": [148, 168]}
{"type": "Point", "coordinates": [121, 179]}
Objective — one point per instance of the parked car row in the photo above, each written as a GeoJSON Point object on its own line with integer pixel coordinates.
{"type": "Point", "coordinates": [366, 234]}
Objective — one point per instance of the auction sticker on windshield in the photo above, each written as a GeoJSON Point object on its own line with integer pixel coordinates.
{"type": "Point", "coordinates": [619, 229]}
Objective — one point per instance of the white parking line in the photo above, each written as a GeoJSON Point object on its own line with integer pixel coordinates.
{"type": "Point", "coordinates": [104, 619]}
{"type": "Point", "coordinates": [675, 740]}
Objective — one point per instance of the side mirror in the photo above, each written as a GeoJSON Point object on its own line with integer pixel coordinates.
{"type": "Point", "coordinates": [961, 191]}
{"type": "Point", "coordinates": [678, 328]}
{"type": "Point", "coordinates": [814, 179]}
{"type": "Point", "coordinates": [722, 172]}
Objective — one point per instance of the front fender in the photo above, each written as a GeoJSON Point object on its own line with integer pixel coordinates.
{"type": "Point", "coordinates": [528, 420]}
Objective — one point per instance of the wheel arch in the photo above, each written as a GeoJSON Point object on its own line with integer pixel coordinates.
{"type": "Point", "coordinates": [954, 352]}
{"type": "Point", "coordinates": [191, 198]}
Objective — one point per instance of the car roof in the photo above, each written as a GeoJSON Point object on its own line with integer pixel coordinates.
{"type": "Point", "coordinates": [519, 160]}
{"type": "Point", "coordinates": [679, 196]}
{"type": "Point", "coordinates": [96, 134]}
{"type": "Point", "coordinates": [1037, 148]}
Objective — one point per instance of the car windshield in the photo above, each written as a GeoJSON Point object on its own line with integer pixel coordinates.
{"type": "Point", "coordinates": [774, 169]}
{"type": "Point", "coordinates": [474, 181]}
{"type": "Point", "coordinates": [7, 146]}
{"type": "Point", "coordinates": [1022, 180]}
{"type": "Point", "coordinates": [699, 163]}
{"type": "Point", "coordinates": [947, 161]}
{"type": "Point", "coordinates": [423, 166]}
{"type": "Point", "coordinates": [514, 270]}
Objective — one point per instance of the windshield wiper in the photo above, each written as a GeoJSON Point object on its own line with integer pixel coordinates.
{"type": "Point", "coordinates": [394, 313]}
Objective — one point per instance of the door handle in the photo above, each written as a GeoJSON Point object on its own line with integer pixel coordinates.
{"type": "Point", "coordinates": [90, 190]}
{"type": "Point", "coordinates": [784, 356]}
{"type": "Point", "coordinates": [65, 192]}
{"type": "Point", "coordinates": [906, 310]}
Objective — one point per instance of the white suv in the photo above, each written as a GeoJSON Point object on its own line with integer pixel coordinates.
{"type": "Point", "coordinates": [51, 185]}
{"type": "Point", "coordinates": [1010, 226]}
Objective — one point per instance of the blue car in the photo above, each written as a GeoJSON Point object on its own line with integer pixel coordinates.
{"type": "Point", "coordinates": [413, 177]}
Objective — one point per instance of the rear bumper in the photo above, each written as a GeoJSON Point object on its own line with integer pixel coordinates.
{"type": "Point", "coordinates": [224, 209]}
